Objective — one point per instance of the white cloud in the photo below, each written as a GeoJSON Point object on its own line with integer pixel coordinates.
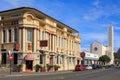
{"type": "Point", "coordinates": [100, 11]}
{"type": "Point", "coordinates": [86, 17]}
{"type": "Point", "coordinates": [101, 37]}
{"type": "Point", "coordinates": [117, 28]}
{"type": "Point", "coordinates": [96, 3]}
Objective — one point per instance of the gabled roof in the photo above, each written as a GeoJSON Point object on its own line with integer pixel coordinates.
{"type": "Point", "coordinates": [98, 43]}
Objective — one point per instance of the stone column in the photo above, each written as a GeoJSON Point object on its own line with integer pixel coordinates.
{"type": "Point", "coordinates": [37, 39]}
{"type": "Point", "coordinates": [23, 39]}
{"type": "Point", "coordinates": [20, 39]}
{"type": "Point", "coordinates": [50, 42]}
{"type": "Point", "coordinates": [53, 43]}
{"type": "Point", "coordinates": [34, 40]}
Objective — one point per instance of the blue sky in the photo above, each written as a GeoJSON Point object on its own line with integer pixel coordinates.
{"type": "Point", "coordinates": [90, 17]}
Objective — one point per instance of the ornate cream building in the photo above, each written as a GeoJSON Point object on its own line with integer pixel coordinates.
{"type": "Point", "coordinates": [100, 49]}
{"type": "Point", "coordinates": [36, 38]}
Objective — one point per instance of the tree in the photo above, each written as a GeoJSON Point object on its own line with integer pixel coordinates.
{"type": "Point", "coordinates": [104, 59]}
{"type": "Point", "coordinates": [117, 56]}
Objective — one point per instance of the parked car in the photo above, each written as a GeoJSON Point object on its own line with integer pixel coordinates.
{"type": "Point", "coordinates": [96, 66]}
{"type": "Point", "coordinates": [79, 68]}
{"type": "Point", "coordinates": [88, 67]}
{"type": "Point", "coordinates": [99, 66]}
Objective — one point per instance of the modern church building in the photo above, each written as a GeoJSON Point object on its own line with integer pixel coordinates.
{"type": "Point", "coordinates": [32, 37]}
{"type": "Point", "coordinates": [100, 49]}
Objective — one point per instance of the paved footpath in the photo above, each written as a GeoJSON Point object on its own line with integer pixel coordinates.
{"type": "Point", "coordinates": [7, 74]}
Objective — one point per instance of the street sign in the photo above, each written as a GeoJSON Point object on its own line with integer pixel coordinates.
{"type": "Point", "coordinates": [10, 57]}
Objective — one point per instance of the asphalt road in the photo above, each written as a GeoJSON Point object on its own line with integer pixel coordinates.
{"type": "Point", "coordinates": [101, 74]}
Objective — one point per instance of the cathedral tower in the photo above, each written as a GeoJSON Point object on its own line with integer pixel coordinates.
{"type": "Point", "coordinates": [110, 51]}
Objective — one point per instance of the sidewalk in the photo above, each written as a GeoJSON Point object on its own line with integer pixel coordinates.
{"type": "Point", "coordinates": [7, 74]}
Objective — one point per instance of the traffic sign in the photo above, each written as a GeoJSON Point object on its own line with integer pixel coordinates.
{"type": "Point", "coordinates": [10, 57]}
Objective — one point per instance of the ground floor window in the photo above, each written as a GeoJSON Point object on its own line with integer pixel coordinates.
{"type": "Point", "coordinates": [41, 59]}
{"type": "Point", "coordinates": [4, 58]}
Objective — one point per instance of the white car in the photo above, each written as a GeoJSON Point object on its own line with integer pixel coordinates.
{"type": "Point", "coordinates": [88, 67]}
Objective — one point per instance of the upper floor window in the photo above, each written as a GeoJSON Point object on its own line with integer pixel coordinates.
{"type": "Point", "coordinates": [29, 35]}
{"type": "Point", "coordinates": [16, 15]}
{"type": "Point", "coordinates": [10, 34]}
{"type": "Point", "coordinates": [14, 22]}
{"type": "Point", "coordinates": [15, 34]}
{"type": "Point", "coordinates": [3, 17]}
{"type": "Point", "coordinates": [4, 34]}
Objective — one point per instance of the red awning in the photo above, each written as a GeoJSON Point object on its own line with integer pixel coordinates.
{"type": "Point", "coordinates": [29, 56]}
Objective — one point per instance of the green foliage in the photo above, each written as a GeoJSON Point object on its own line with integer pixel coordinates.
{"type": "Point", "coordinates": [105, 59]}
{"type": "Point", "coordinates": [117, 56]}
{"type": "Point", "coordinates": [108, 66]}
{"type": "Point", "coordinates": [19, 66]}
{"type": "Point", "coordinates": [56, 67]}
{"type": "Point", "coordinates": [49, 66]}
{"type": "Point", "coordinates": [37, 66]}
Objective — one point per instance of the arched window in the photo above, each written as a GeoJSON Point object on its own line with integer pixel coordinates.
{"type": "Point", "coordinates": [29, 18]}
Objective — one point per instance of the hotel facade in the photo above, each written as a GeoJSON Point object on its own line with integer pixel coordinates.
{"type": "Point", "coordinates": [33, 37]}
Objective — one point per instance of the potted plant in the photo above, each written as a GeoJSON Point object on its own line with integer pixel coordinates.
{"type": "Point", "coordinates": [43, 69]}
{"type": "Point", "coordinates": [56, 67]}
{"type": "Point", "coordinates": [38, 67]}
{"type": "Point", "coordinates": [49, 67]}
{"type": "Point", "coordinates": [19, 67]}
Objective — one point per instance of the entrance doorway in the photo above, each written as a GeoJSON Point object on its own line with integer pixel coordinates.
{"type": "Point", "coordinates": [15, 58]}
{"type": "Point", "coordinates": [29, 65]}
{"type": "Point", "coordinates": [4, 58]}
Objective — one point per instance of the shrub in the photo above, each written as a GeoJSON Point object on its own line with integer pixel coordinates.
{"type": "Point", "coordinates": [56, 67]}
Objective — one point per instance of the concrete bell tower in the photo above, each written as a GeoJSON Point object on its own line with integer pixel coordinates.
{"type": "Point", "coordinates": [110, 51]}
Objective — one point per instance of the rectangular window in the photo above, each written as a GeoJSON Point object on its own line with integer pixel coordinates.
{"type": "Point", "coordinates": [57, 60]}
{"type": "Point", "coordinates": [4, 33]}
{"type": "Point", "coordinates": [29, 35]}
{"type": "Point", "coordinates": [10, 34]}
{"type": "Point", "coordinates": [3, 17]}
{"type": "Point", "coordinates": [15, 34]}
{"type": "Point", "coordinates": [41, 59]}
{"type": "Point", "coordinates": [61, 60]}
{"type": "Point", "coordinates": [16, 15]}
{"type": "Point", "coordinates": [14, 22]}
